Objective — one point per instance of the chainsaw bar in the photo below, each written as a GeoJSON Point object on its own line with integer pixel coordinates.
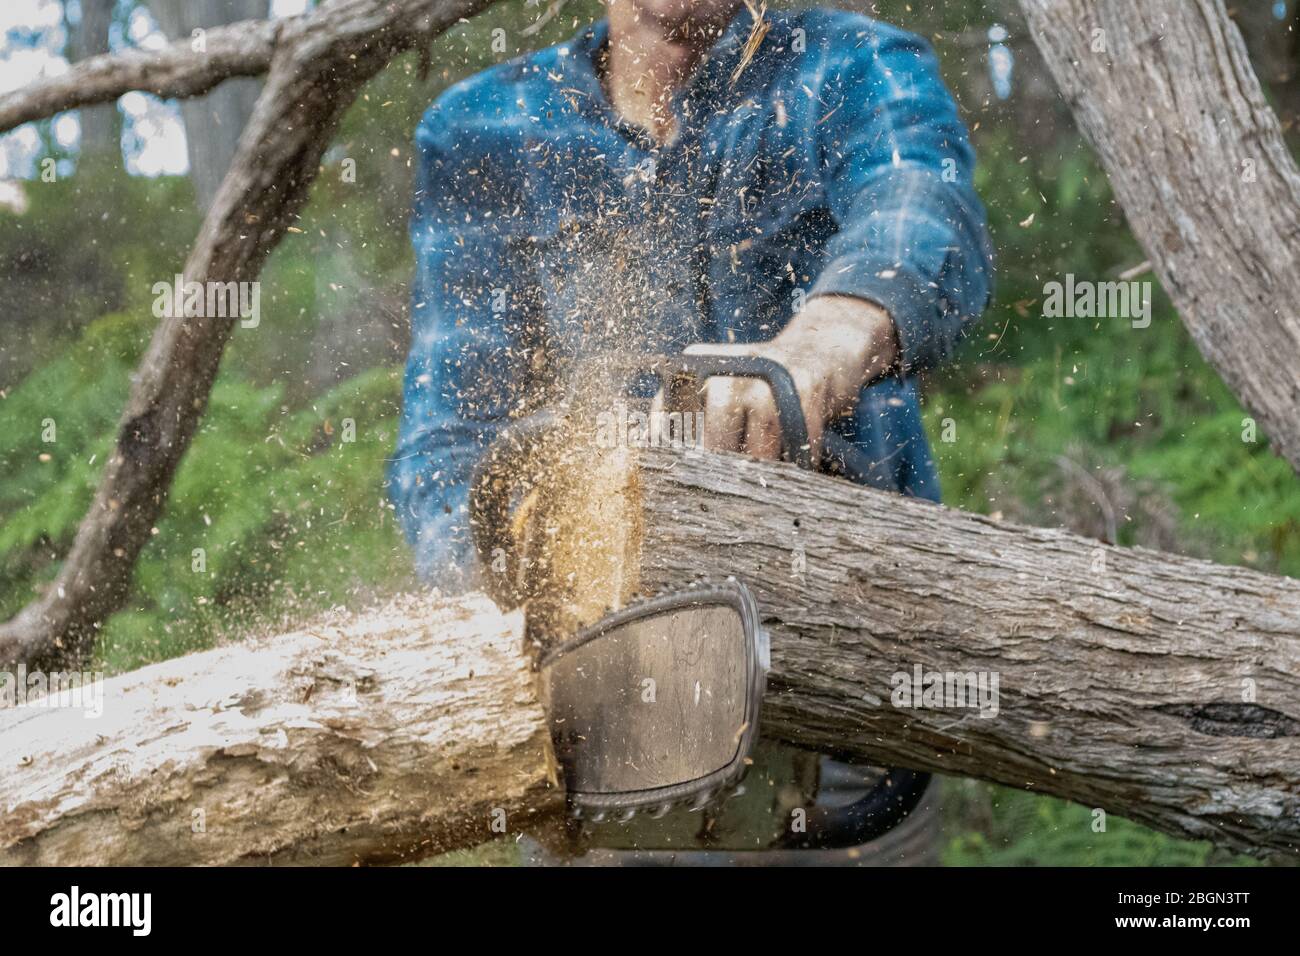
{"type": "Point", "coordinates": [658, 704]}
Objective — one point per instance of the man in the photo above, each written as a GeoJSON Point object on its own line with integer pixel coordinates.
{"type": "Point", "coordinates": [676, 179]}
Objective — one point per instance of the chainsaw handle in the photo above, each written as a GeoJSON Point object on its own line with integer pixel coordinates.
{"type": "Point", "coordinates": [837, 451]}
{"type": "Point", "coordinates": [789, 410]}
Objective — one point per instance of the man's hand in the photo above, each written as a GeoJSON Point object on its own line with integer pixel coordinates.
{"type": "Point", "coordinates": [832, 348]}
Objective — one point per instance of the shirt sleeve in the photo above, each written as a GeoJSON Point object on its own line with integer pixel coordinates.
{"type": "Point", "coordinates": [912, 235]}
{"type": "Point", "coordinates": [467, 363]}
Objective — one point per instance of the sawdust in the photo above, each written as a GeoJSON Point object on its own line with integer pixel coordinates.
{"type": "Point", "coordinates": [581, 536]}
{"type": "Point", "coordinates": [628, 288]}
{"type": "Point", "coordinates": [756, 34]}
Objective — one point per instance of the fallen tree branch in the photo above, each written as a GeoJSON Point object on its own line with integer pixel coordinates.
{"type": "Point", "coordinates": [1165, 91]}
{"type": "Point", "coordinates": [176, 70]}
{"type": "Point", "coordinates": [384, 738]}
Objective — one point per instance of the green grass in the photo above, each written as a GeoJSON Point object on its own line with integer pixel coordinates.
{"type": "Point", "coordinates": [997, 826]}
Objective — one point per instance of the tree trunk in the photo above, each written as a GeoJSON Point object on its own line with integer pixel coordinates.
{"type": "Point", "coordinates": [101, 125]}
{"type": "Point", "coordinates": [1165, 91]}
{"type": "Point", "coordinates": [384, 738]}
{"type": "Point", "coordinates": [1157, 687]}
{"type": "Point", "coordinates": [214, 122]}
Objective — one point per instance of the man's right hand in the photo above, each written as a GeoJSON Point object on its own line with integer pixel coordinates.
{"type": "Point", "coordinates": [831, 349]}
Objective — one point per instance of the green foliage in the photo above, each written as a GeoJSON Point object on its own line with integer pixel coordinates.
{"type": "Point", "coordinates": [60, 268]}
{"type": "Point", "coordinates": [46, 486]}
{"type": "Point", "coordinates": [290, 517]}
{"type": "Point", "coordinates": [290, 513]}
{"type": "Point", "coordinates": [997, 826]}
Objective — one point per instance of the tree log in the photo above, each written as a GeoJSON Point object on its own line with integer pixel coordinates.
{"type": "Point", "coordinates": [393, 735]}
{"type": "Point", "coordinates": [1165, 91]}
{"type": "Point", "coordinates": [1161, 688]}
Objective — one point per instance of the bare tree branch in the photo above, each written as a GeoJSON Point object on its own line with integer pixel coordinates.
{"type": "Point", "coordinates": [177, 70]}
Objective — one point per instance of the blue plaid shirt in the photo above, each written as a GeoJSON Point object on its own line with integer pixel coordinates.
{"type": "Point", "coordinates": [545, 229]}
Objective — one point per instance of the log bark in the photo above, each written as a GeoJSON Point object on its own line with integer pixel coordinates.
{"type": "Point", "coordinates": [1165, 92]}
{"type": "Point", "coordinates": [382, 738]}
{"type": "Point", "coordinates": [1161, 688]}
{"type": "Point", "coordinates": [1156, 687]}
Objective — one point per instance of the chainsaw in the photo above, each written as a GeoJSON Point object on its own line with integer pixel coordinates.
{"type": "Point", "coordinates": [699, 656]}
